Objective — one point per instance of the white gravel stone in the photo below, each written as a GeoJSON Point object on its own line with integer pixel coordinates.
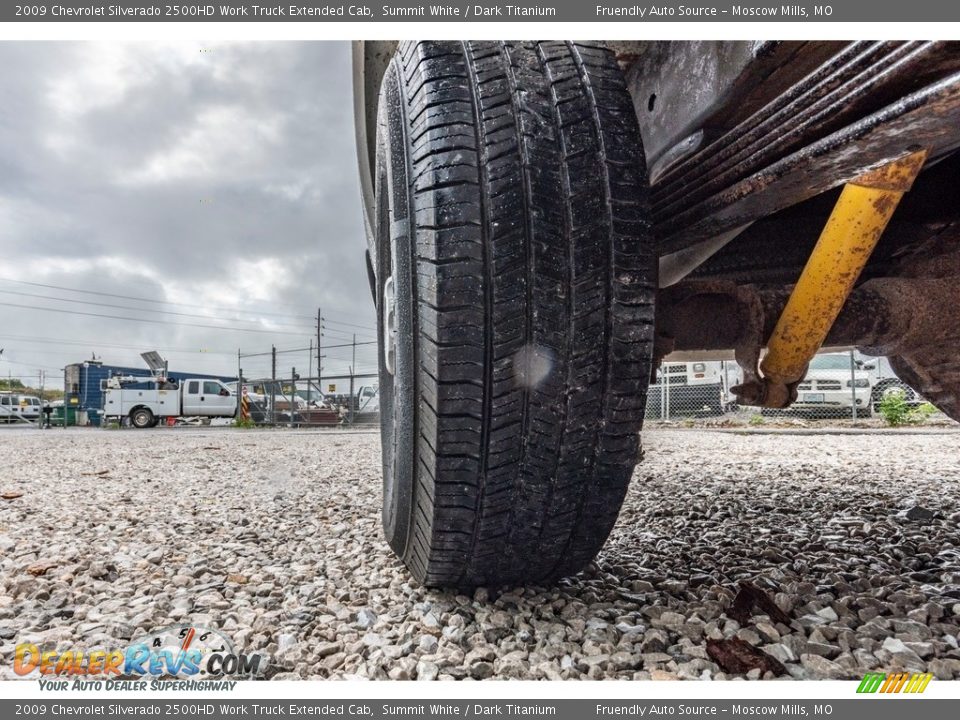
{"type": "Point", "coordinates": [275, 538]}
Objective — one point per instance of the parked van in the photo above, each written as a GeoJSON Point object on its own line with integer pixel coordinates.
{"type": "Point", "coordinates": [15, 407]}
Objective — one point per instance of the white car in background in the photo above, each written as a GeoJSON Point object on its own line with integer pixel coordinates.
{"type": "Point", "coordinates": [832, 386]}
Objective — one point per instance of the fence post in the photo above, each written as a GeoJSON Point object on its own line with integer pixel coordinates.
{"type": "Point", "coordinates": [663, 394]}
{"type": "Point", "coordinates": [273, 384]}
{"type": "Point", "coordinates": [725, 394]}
{"type": "Point", "coordinates": [293, 396]}
{"type": "Point", "coordinates": [354, 401]}
{"type": "Point", "coordinates": [853, 386]}
{"type": "Point", "coordinates": [666, 384]}
{"type": "Point", "coordinates": [239, 386]}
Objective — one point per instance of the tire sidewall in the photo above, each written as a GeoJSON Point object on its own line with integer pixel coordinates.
{"type": "Point", "coordinates": [395, 258]}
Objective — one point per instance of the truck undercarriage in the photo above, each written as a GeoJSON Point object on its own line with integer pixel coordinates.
{"type": "Point", "coordinates": [817, 179]}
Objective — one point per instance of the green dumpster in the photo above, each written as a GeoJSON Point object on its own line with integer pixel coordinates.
{"type": "Point", "coordinates": [63, 412]}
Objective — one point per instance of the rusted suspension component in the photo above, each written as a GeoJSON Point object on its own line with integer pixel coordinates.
{"type": "Point", "coordinates": [883, 316]}
{"type": "Point", "coordinates": [858, 220]}
{"type": "Point", "coordinates": [929, 118]}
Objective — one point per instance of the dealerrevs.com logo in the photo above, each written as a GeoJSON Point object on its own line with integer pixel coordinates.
{"type": "Point", "coordinates": [173, 652]}
{"type": "Point", "coordinates": [909, 683]}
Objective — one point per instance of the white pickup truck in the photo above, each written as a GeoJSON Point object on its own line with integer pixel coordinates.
{"type": "Point", "coordinates": [147, 400]}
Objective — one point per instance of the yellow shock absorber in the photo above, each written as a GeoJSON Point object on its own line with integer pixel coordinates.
{"type": "Point", "coordinates": [849, 237]}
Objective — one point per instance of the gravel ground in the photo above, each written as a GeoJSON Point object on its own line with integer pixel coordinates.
{"type": "Point", "coordinates": [274, 537]}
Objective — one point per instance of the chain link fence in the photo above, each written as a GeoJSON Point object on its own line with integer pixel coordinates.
{"type": "Point", "coordinates": [840, 389]}
{"type": "Point", "coordinates": [273, 396]}
{"type": "Point", "coordinates": [337, 401]}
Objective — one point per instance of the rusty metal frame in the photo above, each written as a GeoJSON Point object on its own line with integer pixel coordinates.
{"type": "Point", "coordinates": [929, 118]}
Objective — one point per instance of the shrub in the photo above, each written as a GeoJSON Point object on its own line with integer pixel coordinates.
{"type": "Point", "coordinates": [894, 408]}
{"type": "Point", "coordinates": [921, 413]}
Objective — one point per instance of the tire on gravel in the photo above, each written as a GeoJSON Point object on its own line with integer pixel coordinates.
{"type": "Point", "coordinates": [141, 418]}
{"type": "Point", "coordinates": [511, 215]}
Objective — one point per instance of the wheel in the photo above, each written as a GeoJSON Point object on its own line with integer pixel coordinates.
{"type": "Point", "coordinates": [886, 387]}
{"type": "Point", "coordinates": [141, 418]}
{"type": "Point", "coordinates": [516, 281]}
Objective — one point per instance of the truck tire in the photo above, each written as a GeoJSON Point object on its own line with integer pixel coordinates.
{"type": "Point", "coordinates": [516, 282]}
{"type": "Point", "coordinates": [141, 418]}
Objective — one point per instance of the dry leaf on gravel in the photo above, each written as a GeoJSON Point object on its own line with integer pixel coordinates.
{"type": "Point", "coordinates": [752, 598]}
{"type": "Point", "coordinates": [41, 567]}
{"type": "Point", "coordinates": [740, 657]}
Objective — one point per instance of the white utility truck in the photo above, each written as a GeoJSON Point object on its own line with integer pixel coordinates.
{"type": "Point", "coordinates": [148, 400]}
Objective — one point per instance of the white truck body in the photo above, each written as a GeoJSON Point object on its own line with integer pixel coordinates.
{"type": "Point", "coordinates": [193, 397]}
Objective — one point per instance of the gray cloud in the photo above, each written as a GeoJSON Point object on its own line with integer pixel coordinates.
{"type": "Point", "coordinates": [215, 176]}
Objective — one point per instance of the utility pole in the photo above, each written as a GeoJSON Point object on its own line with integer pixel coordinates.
{"type": "Point", "coordinates": [309, 371]}
{"type": "Point", "coordinates": [319, 349]}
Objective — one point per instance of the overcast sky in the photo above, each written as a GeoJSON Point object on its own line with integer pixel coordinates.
{"type": "Point", "coordinates": [218, 178]}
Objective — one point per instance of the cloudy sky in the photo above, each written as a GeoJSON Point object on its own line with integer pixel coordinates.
{"type": "Point", "coordinates": [188, 185]}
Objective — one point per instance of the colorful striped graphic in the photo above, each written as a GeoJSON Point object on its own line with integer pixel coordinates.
{"type": "Point", "coordinates": [895, 683]}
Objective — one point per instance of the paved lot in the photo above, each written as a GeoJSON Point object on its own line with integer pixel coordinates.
{"type": "Point", "coordinates": [274, 537]}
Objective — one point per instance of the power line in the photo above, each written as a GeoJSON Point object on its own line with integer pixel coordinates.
{"type": "Point", "coordinates": [362, 327]}
{"type": "Point", "coordinates": [32, 365]}
{"type": "Point", "coordinates": [179, 304]}
{"type": "Point", "coordinates": [147, 320]}
{"type": "Point", "coordinates": [143, 299]}
{"type": "Point", "coordinates": [98, 343]}
{"type": "Point", "coordinates": [306, 349]}
{"type": "Point", "coordinates": [125, 307]}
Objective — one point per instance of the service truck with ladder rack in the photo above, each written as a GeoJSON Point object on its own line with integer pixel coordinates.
{"type": "Point", "coordinates": [147, 400]}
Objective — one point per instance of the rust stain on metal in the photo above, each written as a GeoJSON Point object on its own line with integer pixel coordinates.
{"type": "Point", "coordinates": [897, 175]}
